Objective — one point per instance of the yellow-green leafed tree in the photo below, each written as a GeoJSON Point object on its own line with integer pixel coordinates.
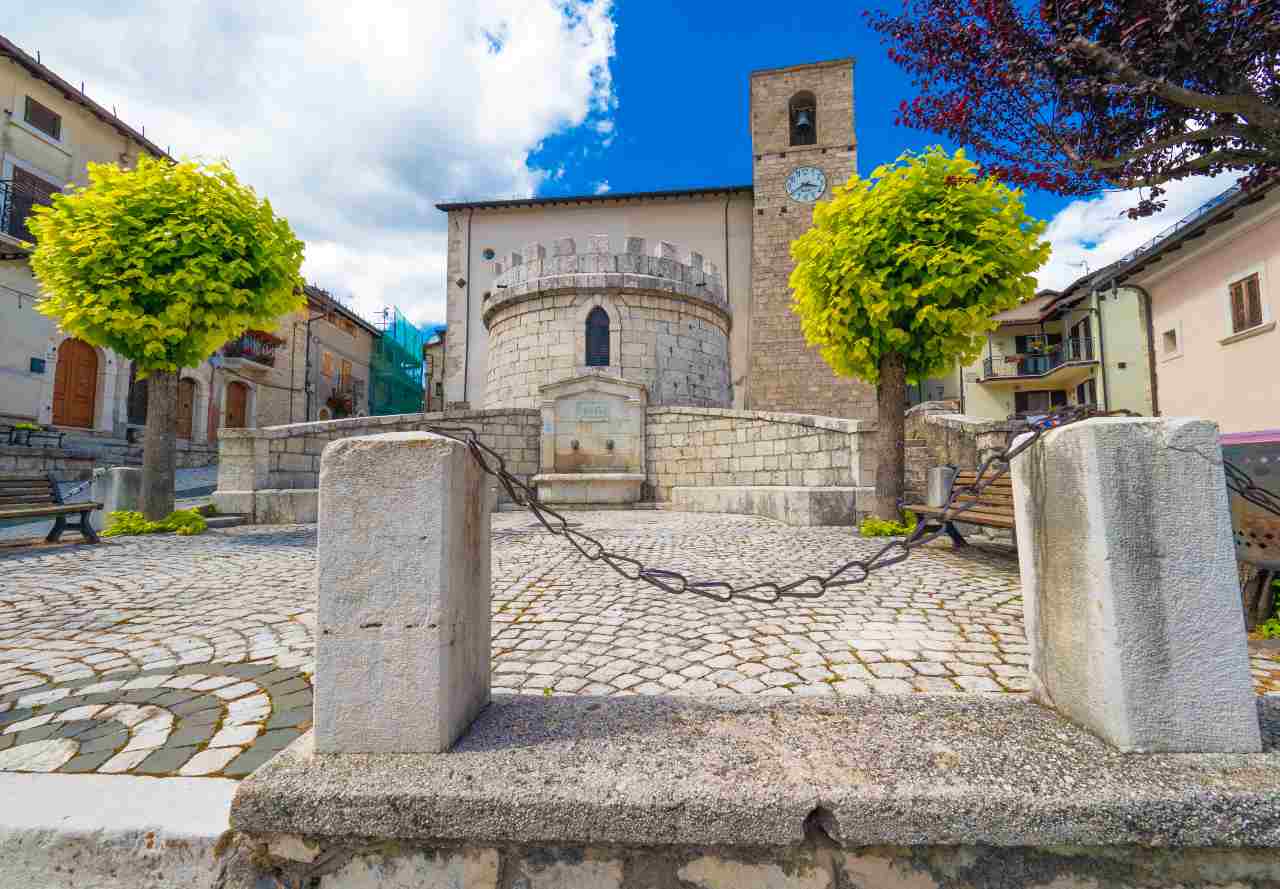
{"type": "Point", "coordinates": [163, 264]}
{"type": "Point", "coordinates": [900, 275]}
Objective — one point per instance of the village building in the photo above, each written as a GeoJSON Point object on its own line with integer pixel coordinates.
{"type": "Point", "coordinates": [1083, 346]}
{"type": "Point", "coordinates": [1213, 285]}
{"type": "Point", "coordinates": [684, 292]}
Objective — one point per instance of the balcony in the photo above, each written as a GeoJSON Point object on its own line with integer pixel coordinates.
{"type": "Point", "coordinates": [16, 201]}
{"type": "Point", "coordinates": [343, 396]}
{"type": "Point", "coordinates": [253, 353]}
{"type": "Point", "coordinates": [1057, 366]}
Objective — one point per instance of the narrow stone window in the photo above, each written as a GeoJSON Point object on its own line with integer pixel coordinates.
{"type": "Point", "coordinates": [804, 119]}
{"type": "Point", "coordinates": [598, 338]}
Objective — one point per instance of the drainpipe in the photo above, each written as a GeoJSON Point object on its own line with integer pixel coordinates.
{"type": "Point", "coordinates": [1144, 305]}
{"type": "Point", "coordinates": [1096, 308]}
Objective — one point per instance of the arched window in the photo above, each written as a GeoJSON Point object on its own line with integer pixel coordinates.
{"type": "Point", "coordinates": [598, 338]}
{"type": "Point", "coordinates": [804, 119]}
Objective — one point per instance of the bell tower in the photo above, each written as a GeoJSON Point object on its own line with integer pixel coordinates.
{"type": "Point", "coordinates": [802, 145]}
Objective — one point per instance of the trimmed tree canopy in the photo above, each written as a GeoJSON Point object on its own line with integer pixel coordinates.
{"type": "Point", "coordinates": [914, 261]}
{"type": "Point", "coordinates": [164, 263]}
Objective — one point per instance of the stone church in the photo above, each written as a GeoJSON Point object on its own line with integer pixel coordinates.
{"type": "Point", "coordinates": [684, 292]}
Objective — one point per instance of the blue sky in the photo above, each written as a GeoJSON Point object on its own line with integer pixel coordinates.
{"type": "Point", "coordinates": [355, 119]}
{"type": "Point", "coordinates": [680, 77]}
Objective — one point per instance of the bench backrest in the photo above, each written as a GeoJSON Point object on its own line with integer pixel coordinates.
{"type": "Point", "coordinates": [16, 490]}
{"type": "Point", "coordinates": [996, 498]}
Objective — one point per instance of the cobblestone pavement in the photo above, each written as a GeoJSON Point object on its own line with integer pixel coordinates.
{"type": "Point", "coordinates": [170, 656]}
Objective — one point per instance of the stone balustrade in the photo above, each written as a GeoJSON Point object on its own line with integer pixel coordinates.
{"type": "Point", "coordinates": [663, 268]}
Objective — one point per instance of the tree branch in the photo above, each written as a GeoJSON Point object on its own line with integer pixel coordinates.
{"type": "Point", "coordinates": [1251, 108]}
{"type": "Point", "coordinates": [1237, 158]}
{"type": "Point", "coordinates": [1205, 135]}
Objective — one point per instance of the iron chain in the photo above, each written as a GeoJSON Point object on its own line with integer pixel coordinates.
{"type": "Point", "coordinates": [962, 498]}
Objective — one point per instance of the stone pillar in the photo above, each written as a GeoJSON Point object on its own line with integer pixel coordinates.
{"type": "Point", "coordinates": [1129, 585]}
{"type": "Point", "coordinates": [118, 488]}
{"type": "Point", "coordinates": [402, 646]}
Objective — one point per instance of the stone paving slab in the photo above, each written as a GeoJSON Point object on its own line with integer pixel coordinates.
{"type": "Point", "coordinates": [193, 656]}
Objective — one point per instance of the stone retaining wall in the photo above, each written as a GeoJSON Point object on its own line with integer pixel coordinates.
{"type": "Point", "coordinates": [706, 447]}
{"type": "Point", "coordinates": [288, 457]}
{"type": "Point", "coordinates": [938, 434]}
{"type": "Point", "coordinates": [66, 465]}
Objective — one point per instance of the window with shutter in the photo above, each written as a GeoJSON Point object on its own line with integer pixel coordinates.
{"type": "Point", "coordinates": [46, 120]}
{"type": "Point", "coordinates": [598, 338]}
{"type": "Point", "coordinates": [1246, 303]}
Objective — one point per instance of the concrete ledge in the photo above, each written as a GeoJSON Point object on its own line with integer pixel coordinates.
{"type": "Point", "coordinates": [794, 505]}
{"type": "Point", "coordinates": [911, 770]}
{"type": "Point", "coordinates": [589, 488]}
{"type": "Point", "coordinates": [111, 831]}
{"type": "Point", "coordinates": [322, 427]}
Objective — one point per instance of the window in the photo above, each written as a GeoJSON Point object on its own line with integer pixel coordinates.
{"type": "Point", "coordinates": [43, 119]}
{"type": "Point", "coordinates": [1080, 343]}
{"type": "Point", "coordinates": [1246, 303]}
{"type": "Point", "coordinates": [1040, 402]}
{"type": "Point", "coordinates": [1171, 341]}
{"type": "Point", "coordinates": [326, 364]}
{"type": "Point", "coordinates": [803, 113]}
{"type": "Point", "coordinates": [439, 390]}
{"type": "Point", "coordinates": [598, 338]}
{"type": "Point", "coordinates": [1087, 392]}
{"type": "Point", "coordinates": [26, 190]}
{"type": "Point", "coordinates": [37, 365]}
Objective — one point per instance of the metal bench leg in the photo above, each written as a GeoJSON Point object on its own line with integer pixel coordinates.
{"type": "Point", "coordinates": [956, 537]}
{"type": "Point", "coordinates": [86, 527]}
{"type": "Point", "coordinates": [59, 525]}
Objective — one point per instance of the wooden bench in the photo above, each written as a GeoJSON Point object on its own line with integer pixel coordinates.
{"type": "Point", "coordinates": [34, 498]}
{"type": "Point", "coordinates": [992, 508]}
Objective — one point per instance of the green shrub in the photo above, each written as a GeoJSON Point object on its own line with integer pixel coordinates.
{"type": "Point", "coordinates": [1270, 629]}
{"type": "Point", "coordinates": [185, 522]}
{"type": "Point", "coordinates": [874, 527]}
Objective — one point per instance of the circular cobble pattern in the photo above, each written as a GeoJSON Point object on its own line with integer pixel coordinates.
{"type": "Point", "coordinates": [193, 656]}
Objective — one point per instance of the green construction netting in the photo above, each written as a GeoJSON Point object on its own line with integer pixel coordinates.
{"type": "Point", "coordinates": [395, 372]}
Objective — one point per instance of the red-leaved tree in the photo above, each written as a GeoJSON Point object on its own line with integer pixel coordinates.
{"type": "Point", "coordinates": [1074, 96]}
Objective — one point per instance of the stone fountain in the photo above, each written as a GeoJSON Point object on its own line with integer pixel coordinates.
{"type": "Point", "coordinates": [593, 440]}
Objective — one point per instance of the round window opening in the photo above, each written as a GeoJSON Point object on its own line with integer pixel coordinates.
{"type": "Point", "coordinates": [488, 254]}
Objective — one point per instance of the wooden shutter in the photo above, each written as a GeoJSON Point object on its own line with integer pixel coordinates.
{"type": "Point", "coordinates": [1253, 301]}
{"type": "Point", "coordinates": [346, 371]}
{"type": "Point", "coordinates": [1238, 322]}
{"type": "Point", "coordinates": [326, 364]}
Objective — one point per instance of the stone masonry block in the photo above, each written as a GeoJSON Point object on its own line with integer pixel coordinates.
{"type": "Point", "coordinates": [534, 252]}
{"type": "Point", "coordinates": [635, 246]}
{"type": "Point", "coordinates": [402, 648]}
{"type": "Point", "coordinates": [597, 244]}
{"type": "Point", "coordinates": [1129, 585]}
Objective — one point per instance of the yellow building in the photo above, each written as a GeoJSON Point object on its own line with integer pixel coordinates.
{"type": "Point", "coordinates": [1081, 346]}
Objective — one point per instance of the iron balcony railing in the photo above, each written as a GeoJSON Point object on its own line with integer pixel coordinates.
{"type": "Point", "coordinates": [253, 346]}
{"type": "Point", "coordinates": [16, 202]}
{"type": "Point", "coordinates": [1073, 350]}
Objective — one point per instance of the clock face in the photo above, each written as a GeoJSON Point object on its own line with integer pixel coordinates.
{"type": "Point", "coordinates": [806, 184]}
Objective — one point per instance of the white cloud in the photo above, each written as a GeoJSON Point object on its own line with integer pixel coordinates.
{"type": "Point", "coordinates": [603, 186]}
{"type": "Point", "coordinates": [354, 119]}
{"type": "Point", "coordinates": [1097, 231]}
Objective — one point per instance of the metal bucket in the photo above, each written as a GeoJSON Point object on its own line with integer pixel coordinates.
{"type": "Point", "coordinates": [1257, 532]}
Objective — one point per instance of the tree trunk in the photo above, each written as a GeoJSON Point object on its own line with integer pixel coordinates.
{"type": "Point", "coordinates": [159, 449]}
{"type": "Point", "coordinates": [891, 435]}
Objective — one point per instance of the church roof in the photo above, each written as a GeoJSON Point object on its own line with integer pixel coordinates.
{"type": "Point", "coordinates": [597, 198]}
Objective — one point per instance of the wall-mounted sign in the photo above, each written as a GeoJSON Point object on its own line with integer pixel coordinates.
{"type": "Point", "coordinates": [593, 411]}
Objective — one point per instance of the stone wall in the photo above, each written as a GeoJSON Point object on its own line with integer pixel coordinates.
{"type": "Point", "coordinates": [288, 457]}
{"type": "Point", "coordinates": [66, 465]}
{"type": "Point", "coordinates": [716, 447]}
{"type": "Point", "coordinates": [668, 321]}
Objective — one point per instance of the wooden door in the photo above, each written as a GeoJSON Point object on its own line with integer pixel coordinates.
{"type": "Point", "coordinates": [75, 384]}
{"type": "Point", "coordinates": [237, 405]}
{"type": "Point", "coordinates": [186, 407]}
